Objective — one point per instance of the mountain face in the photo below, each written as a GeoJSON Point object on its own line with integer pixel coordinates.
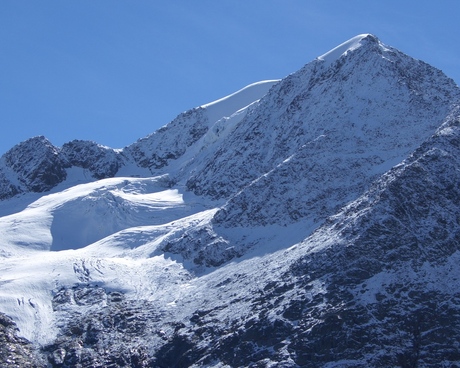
{"type": "Point", "coordinates": [308, 222]}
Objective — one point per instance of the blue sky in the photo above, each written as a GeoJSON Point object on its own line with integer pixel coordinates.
{"type": "Point", "coordinates": [114, 71]}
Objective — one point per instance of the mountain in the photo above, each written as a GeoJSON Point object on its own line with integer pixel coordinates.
{"type": "Point", "coordinates": [307, 222]}
{"type": "Point", "coordinates": [37, 166]}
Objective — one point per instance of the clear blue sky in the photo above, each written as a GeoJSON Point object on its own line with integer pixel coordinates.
{"type": "Point", "coordinates": [114, 71]}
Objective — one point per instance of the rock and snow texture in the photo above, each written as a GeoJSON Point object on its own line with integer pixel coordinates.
{"type": "Point", "coordinates": [37, 166]}
{"type": "Point", "coordinates": [342, 49]}
{"type": "Point", "coordinates": [363, 113]}
{"type": "Point", "coordinates": [307, 222]}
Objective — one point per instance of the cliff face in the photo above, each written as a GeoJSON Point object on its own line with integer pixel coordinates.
{"type": "Point", "coordinates": [308, 222]}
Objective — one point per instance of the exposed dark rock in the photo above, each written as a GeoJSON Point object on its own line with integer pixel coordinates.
{"type": "Point", "coordinates": [16, 351]}
{"type": "Point", "coordinates": [102, 162]}
{"type": "Point", "coordinates": [115, 333]}
{"type": "Point", "coordinates": [170, 142]}
{"type": "Point", "coordinates": [36, 164]}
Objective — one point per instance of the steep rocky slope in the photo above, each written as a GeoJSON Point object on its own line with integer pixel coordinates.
{"type": "Point", "coordinates": [376, 285]}
{"type": "Point", "coordinates": [356, 111]}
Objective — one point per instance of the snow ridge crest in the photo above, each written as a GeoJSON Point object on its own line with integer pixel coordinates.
{"type": "Point", "coordinates": [347, 46]}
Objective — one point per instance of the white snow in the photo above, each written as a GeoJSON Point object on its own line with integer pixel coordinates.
{"type": "Point", "coordinates": [85, 213]}
{"type": "Point", "coordinates": [228, 105]}
{"type": "Point", "coordinates": [350, 45]}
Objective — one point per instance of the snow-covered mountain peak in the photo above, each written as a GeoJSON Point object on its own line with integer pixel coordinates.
{"type": "Point", "coordinates": [38, 145]}
{"type": "Point", "coordinates": [347, 46]}
{"type": "Point", "coordinates": [364, 104]}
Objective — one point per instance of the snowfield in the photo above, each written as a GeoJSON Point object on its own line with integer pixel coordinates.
{"type": "Point", "coordinates": [83, 235]}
